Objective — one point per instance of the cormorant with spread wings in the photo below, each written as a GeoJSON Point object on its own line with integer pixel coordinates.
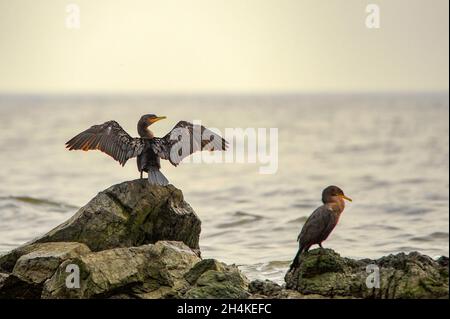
{"type": "Point", "coordinates": [183, 140]}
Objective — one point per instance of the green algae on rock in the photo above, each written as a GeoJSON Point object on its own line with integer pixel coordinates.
{"type": "Point", "coordinates": [130, 214]}
{"type": "Point", "coordinates": [326, 273]}
{"type": "Point", "coordinates": [147, 271]}
{"type": "Point", "coordinates": [166, 269]}
{"type": "Point", "coordinates": [212, 279]}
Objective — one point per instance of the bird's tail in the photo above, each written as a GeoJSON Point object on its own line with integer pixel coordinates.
{"type": "Point", "coordinates": [296, 260]}
{"type": "Point", "coordinates": [155, 177]}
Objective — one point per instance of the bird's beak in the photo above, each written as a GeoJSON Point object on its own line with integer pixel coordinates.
{"type": "Point", "coordinates": [347, 198]}
{"type": "Point", "coordinates": [156, 119]}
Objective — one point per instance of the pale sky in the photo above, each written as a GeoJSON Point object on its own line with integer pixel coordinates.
{"type": "Point", "coordinates": [219, 46]}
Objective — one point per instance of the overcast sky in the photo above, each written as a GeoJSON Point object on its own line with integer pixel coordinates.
{"type": "Point", "coordinates": [216, 46]}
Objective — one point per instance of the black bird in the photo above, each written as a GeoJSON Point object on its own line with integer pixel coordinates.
{"type": "Point", "coordinates": [322, 221]}
{"type": "Point", "coordinates": [183, 140]}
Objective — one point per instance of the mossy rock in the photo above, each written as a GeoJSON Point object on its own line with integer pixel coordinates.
{"type": "Point", "coordinates": [132, 213]}
{"type": "Point", "coordinates": [324, 272]}
{"type": "Point", "coordinates": [148, 271]}
{"type": "Point", "coordinates": [36, 263]}
{"type": "Point", "coordinates": [212, 279]}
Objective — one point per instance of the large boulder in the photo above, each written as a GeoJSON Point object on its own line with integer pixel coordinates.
{"type": "Point", "coordinates": [166, 269]}
{"type": "Point", "coordinates": [129, 214]}
{"type": "Point", "coordinates": [133, 240]}
{"type": "Point", "coordinates": [148, 271]}
{"type": "Point", "coordinates": [326, 273]}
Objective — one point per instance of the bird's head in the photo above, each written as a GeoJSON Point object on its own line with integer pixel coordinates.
{"type": "Point", "coordinates": [333, 194]}
{"type": "Point", "coordinates": [145, 121]}
{"type": "Point", "coordinates": [149, 119]}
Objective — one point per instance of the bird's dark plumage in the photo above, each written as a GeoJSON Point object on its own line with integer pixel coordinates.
{"type": "Point", "coordinates": [183, 140]}
{"type": "Point", "coordinates": [110, 138]}
{"type": "Point", "coordinates": [322, 221]}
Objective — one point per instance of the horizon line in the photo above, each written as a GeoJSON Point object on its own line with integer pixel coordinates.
{"type": "Point", "coordinates": [217, 93]}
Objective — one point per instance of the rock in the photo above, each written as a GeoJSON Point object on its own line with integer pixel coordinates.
{"type": "Point", "coordinates": [135, 240]}
{"type": "Point", "coordinates": [270, 290]}
{"type": "Point", "coordinates": [148, 271]}
{"type": "Point", "coordinates": [170, 269]}
{"type": "Point", "coordinates": [129, 214]}
{"type": "Point", "coordinates": [264, 289]}
{"type": "Point", "coordinates": [325, 273]}
{"type": "Point", "coordinates": [40, 264]}
{"type": "Point", "coordinates": [13, 287]}
{"type": "Point", "coordinates": [443, 261]}
{"type": "Point", "coordinates": [201, 267]}
{"type": "Point", "coordinates": [35, 264]}
{"type": "Point", "coordinates": [212, 279]}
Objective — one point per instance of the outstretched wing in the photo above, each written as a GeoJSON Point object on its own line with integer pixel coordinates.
{"type": "Point", "coordinates": [185, 139]}
{"type": "Point", "coordinates": [109, 138]}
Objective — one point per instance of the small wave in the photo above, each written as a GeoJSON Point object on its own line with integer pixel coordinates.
{"type": "Point", "coordinates": [355, 148]}
{"type": "Point", "coordinates": [437, 197]}
{"type": "Point", "coordinates": [37, 201]}
{"type": "Point", "coordinates": [301, 219]}
{"type": "Point", "coordinates": [220, 233]}
{"type": "Point", "coordinates": [243, 218]}
{"type": "Point", "coordinates": [303, 205]}
{"type": "Point", "coordinates": [272, 270]}
{"type": "Point", "coordinates": [282, 192]}
{"type": "Point", "coordinates": [377, 226]}
{"type": "Point", "coordinates": [279, 263]}
{"type": "Point", "coordinates": [407, 210]}
{"type": "Point", "coordinates": [416, 181]}
{"type": "Point", "coordinates": [432, 236]}
{"type": "Point", "coordinates": [244, 214]}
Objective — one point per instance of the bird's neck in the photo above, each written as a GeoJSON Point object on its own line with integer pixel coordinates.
{"type": "Point", "coordinates": [337, 205]}
{"type": "Point", "coordinates": [144, 132]}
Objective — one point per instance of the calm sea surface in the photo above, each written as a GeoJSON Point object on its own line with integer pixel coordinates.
{"type": "Point", "coordinates": [390, 153]}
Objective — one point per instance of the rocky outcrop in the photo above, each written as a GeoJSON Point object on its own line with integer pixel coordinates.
{"type": "Point", "coordinates": [148, 271]}
{"type": "Point", "coordinates": [134, 240]}
{"type": "Point", "coordinates": [166, 269]}
{"type": "Point", "coordinates": [325, 273]}
{"type": "Point", "coordinates": [170, 269]}
{"type": "Point", "coordinates": [129, 214]}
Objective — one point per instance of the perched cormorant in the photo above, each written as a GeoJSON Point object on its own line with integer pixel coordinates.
{"type": "Point", "coordinates": [322, 221]}
{"type": "Point", "coordinates": [183, 140]}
